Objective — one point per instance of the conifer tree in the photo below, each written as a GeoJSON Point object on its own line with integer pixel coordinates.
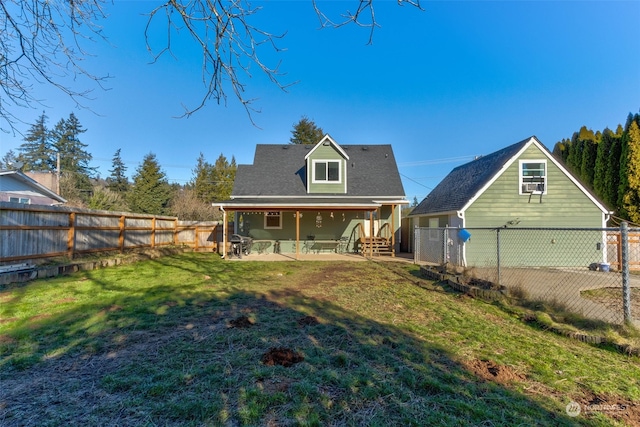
{"type": "Point", "coordinates": [601, 163]}
{"type": "Point", "coordinates": [118, 182]}
{"type": "Point", "coordinates": [224, 175]}
{"type": "Point", "coordinates": [631, 197]}
{"type": "Point", "coordinates": [150, 192]}
{"type": "Point", "coordinates": [74, 159]}
{"type": "Point", "coordinates": [203, 181]}
{"type": "Point", "coordinates": [9, 160]}
{"type": "Point", "coordinates": [306, 132]}
{"type": "Point", "coordinates": [37, 153]}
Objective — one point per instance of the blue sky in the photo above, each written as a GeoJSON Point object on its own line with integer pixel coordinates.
{"type": "Point", "coordinates": [442, 85]}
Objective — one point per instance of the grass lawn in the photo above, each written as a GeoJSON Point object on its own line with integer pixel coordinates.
{"type": "Point", "coordinates": [187, 340]}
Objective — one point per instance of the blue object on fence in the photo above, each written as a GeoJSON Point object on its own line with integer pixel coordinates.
{"type": "Point", "coordinates": [464, 235]}
{"type": "Point", "coordinates": [604, 266]}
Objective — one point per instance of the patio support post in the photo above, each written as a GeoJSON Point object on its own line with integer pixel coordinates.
{"type": "Point", "coordinates": [297, 235]}
{"type": "Point", "coordinates": [393, 231]}
{"type": "Point", "coordinates": [371, 234]}
{"type": "Point", "coordinates": [224, 233]}
{"type": "Point", "coordinates": [498, 252]}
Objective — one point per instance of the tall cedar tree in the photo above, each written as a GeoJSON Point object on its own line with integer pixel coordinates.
{"type": "Point", "coordinates": [150, 192]}
{"type": "Point", "coordinates": [118, 181]}
{"type": "Point", "coordinates": [601, 163]}
{"type": "Point", "coordinates": [37, 152]}
{"type": "Point", "coordinates": [608, 158]}
{"type": "Point", "coordinates": [306, 132]}
{"type": "Point", "coordinates": [631, 197]}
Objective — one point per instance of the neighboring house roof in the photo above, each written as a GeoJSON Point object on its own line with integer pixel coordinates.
{"type": "Point", "coordinates": [278, 177]}
{"type": "Point", "coordinates": [467, 182]}
{"type": "Point", "coordinates": [14, 181]}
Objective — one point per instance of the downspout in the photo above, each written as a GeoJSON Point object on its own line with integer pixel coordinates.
{"type": "Point", "coordinates": [460, 215]}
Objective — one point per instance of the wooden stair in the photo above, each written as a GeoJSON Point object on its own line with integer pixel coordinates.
{"type": "Point", "coordinates": [378, 245]}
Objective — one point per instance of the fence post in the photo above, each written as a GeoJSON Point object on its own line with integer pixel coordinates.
{"type": "Point", "coordinates": [121, 225]}
{"type": "Point", "coordinates": [71, 235]}
{"type": "Point", "coordinates": [626, 289]}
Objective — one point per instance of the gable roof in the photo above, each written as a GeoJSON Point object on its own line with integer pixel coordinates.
{"type": "Point", "coordinates": [279, 171]}
{"type": "Point", "coordinates": [21, 181]}
{"type": "Point", "coordinates": [464, 184]}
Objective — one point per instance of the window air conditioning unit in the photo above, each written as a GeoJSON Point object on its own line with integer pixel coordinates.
{"type": "Point", "coordinates": [531, 187]}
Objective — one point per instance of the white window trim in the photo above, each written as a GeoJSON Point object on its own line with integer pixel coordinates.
{"type": "Point", "coordinates": [279, 216]}
{"type": "Point", "coordinates": [326, 181]}
{"type": "Point", "coordinates": [521, 177]}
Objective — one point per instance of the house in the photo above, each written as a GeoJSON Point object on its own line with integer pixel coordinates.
{"type": "Point", "coordinates": [318, 198]}
{"type": "Point", "coordinates": [17, 187]}
{"type": "Point", "coordinates": [520, 186]}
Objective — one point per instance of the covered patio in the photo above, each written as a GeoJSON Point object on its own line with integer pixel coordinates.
{"type": "Point", "coordinates": [309, 229]}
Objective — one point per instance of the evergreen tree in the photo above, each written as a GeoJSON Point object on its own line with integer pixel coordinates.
{"type": "Point", "coordinates": [601, 164]}
{"type": "Point", "coordinates": [150, 192]}
{"type": "Point", "coordinates": [612, 173]}
{"type": "Point", "coordinates": [588, 161]}
{"type": "Point", "coordinates": [9, 160]}
{"type": "Point", "coordinates": [306, 132]}
{"type": "Point", "coordinates": [203, 181]}
{"type": "Point", "coordinates": [118, 182]}
{"type": "Point", "coordinates": [574, 156]}
{"type": "Point", "coordinates": [224, 175]}
{"type": "Point", "coordinates": [74, 159]}
{"type": "Point", "coordinates": [631, 197]}
{"type": "Point", "coordinates": [37, 152]}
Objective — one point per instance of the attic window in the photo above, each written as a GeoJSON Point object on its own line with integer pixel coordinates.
{"type": "Point", "coordinates": [326, 171]}
{"type": "Point", "coordinates": [533, 176]}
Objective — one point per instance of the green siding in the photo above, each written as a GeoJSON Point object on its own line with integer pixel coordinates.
{"type": "Point", "coordinates": [564, 205]}
{"type": "Point", "coordinates": [327, 152]}
{"type": "Point", "coordinates": [341, 225]}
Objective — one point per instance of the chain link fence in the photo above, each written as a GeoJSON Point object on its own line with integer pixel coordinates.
{"type": "Point", "coordinates": [592, 272]}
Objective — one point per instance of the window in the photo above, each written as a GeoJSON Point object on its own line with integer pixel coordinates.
{"type": "Point", "coordinates": [23, 200]}
{"type": "Point", "coordinates": [272, 220]}
{"type": "Point", "coordinates": [533, 176]}
{"type": "Point", "coordinates": [434, 231]}
{"type": "Point", "coordinates": [326, 171]}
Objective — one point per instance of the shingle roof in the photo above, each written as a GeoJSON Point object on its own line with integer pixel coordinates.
{"type": "Point", "coordinates": [465, 181]}
{"type": "Point", "coordinates": [279, 171]}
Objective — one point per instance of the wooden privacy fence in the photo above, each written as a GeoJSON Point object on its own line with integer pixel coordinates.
{"type": "Point", "coordinates": [614, 244]}
{"type": "Point", "coordinates": [31, 232]}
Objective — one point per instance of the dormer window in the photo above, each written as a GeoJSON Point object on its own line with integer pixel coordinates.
{"type": "Point", "coordinates": [326, 171]}
{"type": "Point", "coordinates": [533, 176]}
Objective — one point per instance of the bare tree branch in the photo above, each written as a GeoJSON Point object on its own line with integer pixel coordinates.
{"type": "Point", "coordinates": [41, 42]}
{"type": "Point", "coordinates": [363, 16]}
{"type": "Point", "coordinates": [229, 43]}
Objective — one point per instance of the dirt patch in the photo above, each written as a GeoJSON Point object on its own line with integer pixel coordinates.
{"type": "Point", "coordinates": [241, 322]}
{"type": "Point", "coordinates": [308, 321]}
{"type": "Point", "coordinates": [491, 371]}
{"type": "Point", "coordinates": [619, 409]}
{"type": "Point", "coordinates": [281, 356]}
